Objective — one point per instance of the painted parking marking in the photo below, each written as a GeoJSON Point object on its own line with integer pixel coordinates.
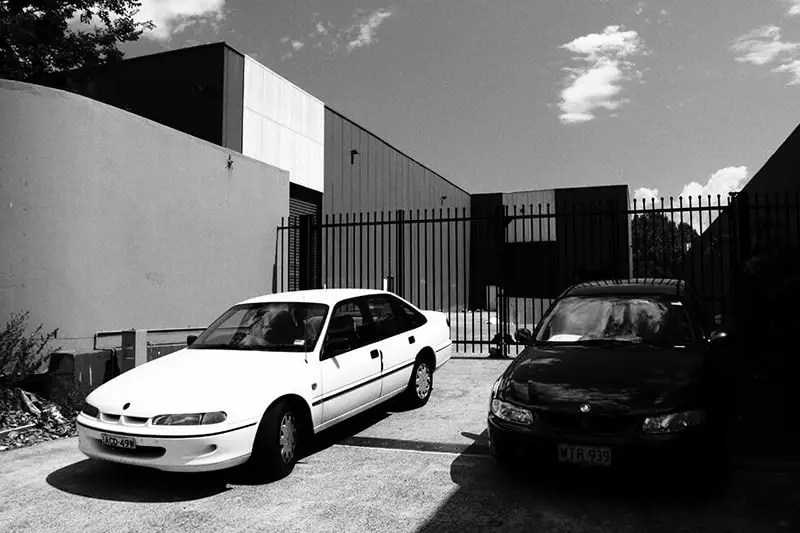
{"type": "Point", "coordinates": [418, 446]}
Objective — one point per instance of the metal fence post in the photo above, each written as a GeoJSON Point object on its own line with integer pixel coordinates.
{"type": "Point", "coordinates": [499, 270]}
{"type": "Point", "coordinates": [401, 262]}
{"type": "Point", "coordinates": [305, 253]}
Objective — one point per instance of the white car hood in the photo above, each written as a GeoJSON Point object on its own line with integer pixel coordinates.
{"type": "Point", "coordinates": [195, 381]}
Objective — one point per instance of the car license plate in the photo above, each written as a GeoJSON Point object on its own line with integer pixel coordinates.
{"type": "Point", "coordinates": [116, 441]}
{"type": "Point", "coordinates": [584, 455]}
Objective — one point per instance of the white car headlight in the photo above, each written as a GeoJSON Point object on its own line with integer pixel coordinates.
{"type": "Point", "coordinates": [674, 422]}
{"type": "Point", "coordinates": [190, 419]}
{"type": "Point", "coordinates": [511, 413]}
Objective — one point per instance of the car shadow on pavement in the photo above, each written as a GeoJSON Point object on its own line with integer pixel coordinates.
{"type": "Point", "coordinates": [116, 482]}
{"type": "Point", "coordinates": [322, 441]}
{"type": "Point", "coordinates": [528, 498]}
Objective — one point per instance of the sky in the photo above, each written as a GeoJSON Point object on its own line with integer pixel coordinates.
{"type": "Point", "coordinates": [671, 97]}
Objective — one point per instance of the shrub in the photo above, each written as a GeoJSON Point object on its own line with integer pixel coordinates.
{"type": "Point", "coordinates": [22, 354]}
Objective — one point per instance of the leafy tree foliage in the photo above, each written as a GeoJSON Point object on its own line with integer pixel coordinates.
{"type": "Point", "coordinates": [22, 354]}
{"type": "Point", "coordinates": [39, 37]}
{"type": "Point", "coordinates": [659, 244]}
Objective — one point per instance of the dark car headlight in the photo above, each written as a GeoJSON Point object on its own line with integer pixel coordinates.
{"type": "Point", "coordinates": [674, 422]}
{"type": "Point", "coordinates": [511, 413]}
{"type": "Point", "coordinates": [190, 419]}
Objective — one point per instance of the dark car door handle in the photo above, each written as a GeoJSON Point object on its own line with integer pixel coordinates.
{"type": "Point", "coordinates": [411, 340]}
{"type": "Point", "coordinates": [374, 354]}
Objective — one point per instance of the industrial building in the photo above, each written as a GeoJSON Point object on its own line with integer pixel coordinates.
{"type": "Point", "coordinates": [339, 168]}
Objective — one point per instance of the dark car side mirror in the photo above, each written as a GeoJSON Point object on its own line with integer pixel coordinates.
{"type": "Point", "coordinates": [523, 336]}
{"type": "Point", "coordinates": [190, 340]}
{"type": "Point", "coordinates": [334, 347]}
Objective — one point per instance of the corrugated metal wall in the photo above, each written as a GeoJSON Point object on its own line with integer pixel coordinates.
{"type": "Point", "coordinates": [368, 180]}
{"type": "Point", "coordinates": [531, 203]}
{"type": "Point", "coordinates": [283, 125]}
{"type": "Point", "coordinates": [233, 99]}
{"type": "Point", "coordinates": [379, 177]}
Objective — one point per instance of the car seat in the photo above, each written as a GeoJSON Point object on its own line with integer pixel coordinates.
{"type": "Point", "coordinates": [281, 329]}
{"type": "Point", "coordinates": [343, 327]}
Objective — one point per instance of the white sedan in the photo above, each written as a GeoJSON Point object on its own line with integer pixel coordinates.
{"type": "Point", "coordinates": [265, 377]}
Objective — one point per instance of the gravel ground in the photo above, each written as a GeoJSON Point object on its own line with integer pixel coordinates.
{"type": "Point", "coordinates": [370, 475]}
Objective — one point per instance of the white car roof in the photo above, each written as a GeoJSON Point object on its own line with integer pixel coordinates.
{"type": "Point", "coordinates": [322, 296]}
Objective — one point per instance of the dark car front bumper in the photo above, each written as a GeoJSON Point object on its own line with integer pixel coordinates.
{"type": "Point", "coordinates": [632, 451]}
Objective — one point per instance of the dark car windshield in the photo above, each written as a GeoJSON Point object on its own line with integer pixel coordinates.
{"type": "Point", "coordinates": [270, 326]}
{"type": "Point", "coordinates": [605, 318]}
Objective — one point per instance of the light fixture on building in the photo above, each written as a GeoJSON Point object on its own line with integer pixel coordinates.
{"type": "Point", "coordinates": [353, 154]}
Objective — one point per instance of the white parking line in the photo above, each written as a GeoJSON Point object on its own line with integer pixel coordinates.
{"type": "Point", "coordinates": [434, 452]}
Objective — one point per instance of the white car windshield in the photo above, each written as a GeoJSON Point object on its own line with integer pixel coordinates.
{"type": "Point", "coordinates": [270, 326]}
{"type": "Point", "coordinates": [590, 319]}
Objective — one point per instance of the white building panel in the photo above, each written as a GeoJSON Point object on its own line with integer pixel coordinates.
{"type": "Point", "coordinates": [531, 228]}
{"type": "Point", "coordinates": [283, 126]}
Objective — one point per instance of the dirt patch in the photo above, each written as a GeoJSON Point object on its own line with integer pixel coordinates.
{"type": "Point", "coordinates": [27, 419]}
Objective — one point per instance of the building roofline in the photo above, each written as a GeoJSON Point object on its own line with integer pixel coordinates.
{"type": "Point", "coordinates": [393, 147]}
{"type": "Point", "coordinates": [177, 51]}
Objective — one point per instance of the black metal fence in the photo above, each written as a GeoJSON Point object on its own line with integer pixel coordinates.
{"type": "Point", "coordinates": [494, 273]}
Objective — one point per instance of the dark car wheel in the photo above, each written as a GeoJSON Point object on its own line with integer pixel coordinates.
{"type": "Point", "coordinates": [420, 385]}
{"type": "Point", "coordinates": [276, 445]}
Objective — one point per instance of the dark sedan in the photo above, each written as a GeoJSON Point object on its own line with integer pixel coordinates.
{"type": "Point", "coordinates": [617, 374]}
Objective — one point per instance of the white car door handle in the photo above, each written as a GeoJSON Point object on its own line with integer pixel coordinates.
{"type": "Point", "coordinates": [375, 354]}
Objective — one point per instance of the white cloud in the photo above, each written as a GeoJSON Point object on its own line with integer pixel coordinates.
{"type": "Point", "coordinates": [171, 16]}
{"type": "Point", "coordinates": [358, 34]}
{"type": "Point", "coordinates": [794, 7]}
{"type": "Point", "coordinates": [366, 27]}
{"type": "Point", "coordinates": [722, 182]}
{"type": "Point", "coordinates": [295, 45]}
{"type": "Point", "coordinates": [645, 196]}
{"type": "Point", "coordinates": [762, 45]}
{"type": "Point", "coordinates": [598, 83]}
{"type": "Point", "coordinates": [791, 67]}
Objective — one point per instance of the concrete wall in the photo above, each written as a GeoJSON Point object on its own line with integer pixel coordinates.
{"type": "Point", "coordinates": [283, 125]}
{"type": "Point", "coordinates": [110, 221]}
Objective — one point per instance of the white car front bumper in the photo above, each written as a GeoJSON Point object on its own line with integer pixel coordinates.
{"type": "Point", "coordinates": [215, 450]}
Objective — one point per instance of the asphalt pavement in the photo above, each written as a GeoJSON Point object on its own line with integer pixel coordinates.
{"type": "Point", "coordinates": [424, 470]}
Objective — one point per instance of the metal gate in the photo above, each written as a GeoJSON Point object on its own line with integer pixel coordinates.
{"type": "Point", "coordinates": [495, 273]}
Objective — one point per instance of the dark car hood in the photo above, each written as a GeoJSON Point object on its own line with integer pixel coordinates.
{"type": "Point", "coordinates": [617, 378]}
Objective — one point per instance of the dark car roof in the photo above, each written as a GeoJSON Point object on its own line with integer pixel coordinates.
{"type": "Point", "coordinates": [643, 286]}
